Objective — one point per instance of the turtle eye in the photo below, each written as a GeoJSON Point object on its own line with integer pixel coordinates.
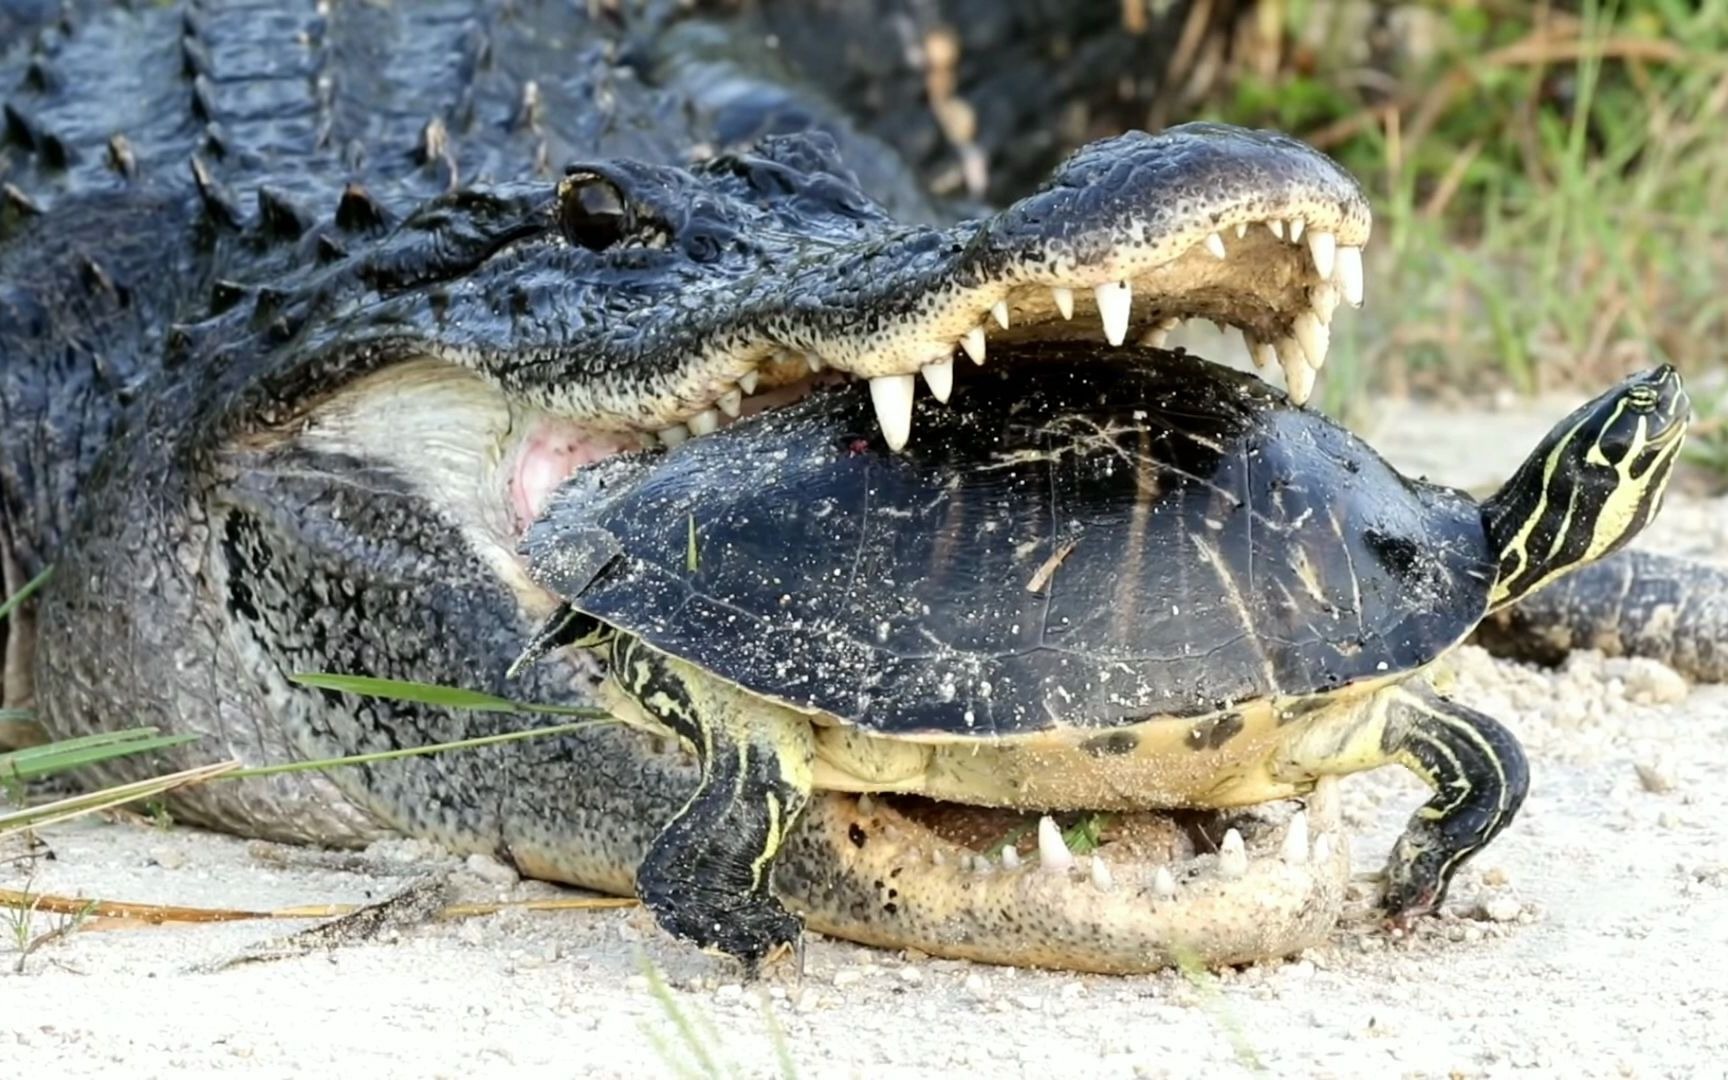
{"type": "Point", "coordinates": [593, 212]}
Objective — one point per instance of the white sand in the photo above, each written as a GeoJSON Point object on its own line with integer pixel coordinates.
{"type": "Point", "coordinates": [1590, 940]}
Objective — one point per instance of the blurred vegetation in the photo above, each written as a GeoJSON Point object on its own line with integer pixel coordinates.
{"type": "Point", "coordinates": [1550, 183]}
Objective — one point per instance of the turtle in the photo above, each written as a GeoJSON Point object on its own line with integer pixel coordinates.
{"type": "Point", "coordinates": [1133, 580]}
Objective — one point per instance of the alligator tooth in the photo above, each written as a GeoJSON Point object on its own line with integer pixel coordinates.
{"type": "Point", "coordinates": [1276, 227]}
{"type": "Point", "coordinates": [1114, 300]}
{"type": "Point", "coordinates": [1314, 338]}
{"type": "Point", "coordinates": [1010, 857]}
{"type": "Point", "coordinates": [999, 312]}
{"type": "Point", "coordinates": [815, 362]}
{"type": "Point", "coordinates": [1160, 332]}
{"type": "Point", "coordinates": [1232, 855]}
{"type": "Point", "coordinates": [747, 382]}
{"type": "Point", "coordinates": [981, 864]}
{"type": "Point", "coordinates": [1241, 229]}
{"type": "Point", "coordinates": [1296, 227]}
{"type": "Point", "coordinates": [1350, 274]}
{"type": "Point", "coordinates": [1053, 854]}
{"type": "Point", "coordinates": [1298, 376]}
{"type": "Point", "coordinates": [892, 396]}
{"type": "Point", "coordinates": [1101, 879]}
{"type": "Point", "coordinates": [1215, 244]}
{"type": "Point", "coordinates": [1064, 300]}
{"type": "Point", "coordinates": [866, 804]}
{"type": "Point", "coordinates": [1262, 352]}
{"type": "Point", "coordinates": [705, 422]}
{"type": "Point", "coordinates": [731, 402]}
{"type": "Point", "coordinates": [939, 377]}
{"type": "Point", "coordinates": [1324, 247]}
{"type": "Point", "coordinates": [1323, 848]}
{"type": "Point", "coordinates": [973, 343]}
{"type": "Point", "coordinates": [1163, 883]}
{"type": "Point", "coordinates": [674, 435]}
{"type": "Point", "coordinates": [1323, 298]}
{"type": "Point", "coordinates": [1295, 848]}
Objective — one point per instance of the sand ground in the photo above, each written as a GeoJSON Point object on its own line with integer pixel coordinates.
{"type": "Point", "coordinates": [1590, 940]}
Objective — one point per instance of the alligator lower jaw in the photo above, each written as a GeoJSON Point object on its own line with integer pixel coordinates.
{"type": "Point", "coordinates": [1196, 888]}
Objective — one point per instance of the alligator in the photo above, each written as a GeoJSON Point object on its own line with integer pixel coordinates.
{"type": "Point", "coordinates": [305, 310]}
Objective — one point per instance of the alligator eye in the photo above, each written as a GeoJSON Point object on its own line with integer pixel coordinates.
{"type": "Point", "coordinates": [592, 211]}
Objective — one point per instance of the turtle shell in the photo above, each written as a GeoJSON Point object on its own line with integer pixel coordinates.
{"type": "Point", "coordinates": [1085, 538]}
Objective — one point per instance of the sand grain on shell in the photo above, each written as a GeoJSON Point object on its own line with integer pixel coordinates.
{"type": "Point", "coordinates": [1590, 940]}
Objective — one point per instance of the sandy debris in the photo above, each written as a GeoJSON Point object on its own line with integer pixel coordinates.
{"type": "Point", "coordinates": [1590, 940]}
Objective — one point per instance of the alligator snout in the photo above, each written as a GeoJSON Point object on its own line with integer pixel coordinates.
{"type": "Point", "coordinates": [660, 301]}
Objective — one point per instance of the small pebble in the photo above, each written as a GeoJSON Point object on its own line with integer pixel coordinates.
{"type": "Point", "coordinates": [977, 987]}
{"type": "Point", "coordinates": [1650, 682]}
{"type": "Point", "coordinates": [1499, 907]}
{"type": "Point", "coordinates": [1494, 877]}
{"type": "Point", "coordinates": [470, 933]}
{"type": "Point", "coordinates": [491, 870]}
{"type": "Point", "coordinates": [168, 858]}
{"type": "Point", "coordinates": [1656, 780]}
{"type": "Point", "coordinates": [729, 993]}
{"type": "Point", "coordinates": [847, 976]}
{"type": "Point", "coordinates": [911, 976]}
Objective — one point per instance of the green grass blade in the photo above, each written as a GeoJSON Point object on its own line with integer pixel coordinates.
{"type": "Point", "coordinates": [418, 751]}
{"type": "Point", "coordinates": [35, 762]}
{"type": "Point", "coordinates": [448, 697]}
{"type": "Point", "coordinates": [10, 604]}
{"type": "Point", "coordinates": [696, 1042]}
{"type": "Point", "coordinates": [36, 817]}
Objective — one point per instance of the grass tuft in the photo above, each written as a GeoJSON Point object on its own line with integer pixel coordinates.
{"type": "Point", "coordinates": [1546, 183]}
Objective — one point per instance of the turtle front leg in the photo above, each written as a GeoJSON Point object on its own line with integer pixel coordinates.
{"type": "Point", "coordinates": [707, 875]}
{"type": "Point", "coordinates": [1475, 766]}
{"type": "Point", "coordinates": [1479, 776]}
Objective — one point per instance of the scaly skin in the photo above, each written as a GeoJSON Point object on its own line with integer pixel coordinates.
{"type": "Point", "coordinates": [302, 325]}
{"type": "Point", "coordinates": [285, 302]}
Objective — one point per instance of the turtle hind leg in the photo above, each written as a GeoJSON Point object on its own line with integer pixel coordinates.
{"type": "Point", "coordinates": [707, 876]}
{"type": "Point", "coordinates": [1479, 776]}
{"type": "Point", "coordinates": [1633, 603]}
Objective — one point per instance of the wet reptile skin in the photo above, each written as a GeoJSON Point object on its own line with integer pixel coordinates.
{"type": "Point", "coordinates": [218, 221]}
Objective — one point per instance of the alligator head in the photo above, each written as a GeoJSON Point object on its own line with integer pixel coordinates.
{"type": "Point", "coordinates": [631, 300]}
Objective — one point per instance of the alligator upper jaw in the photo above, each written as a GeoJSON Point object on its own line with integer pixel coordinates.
{"type": "Point", "coordinates": [1132, 234]}
{"type": "Point", "coordinates": [1279, 280]}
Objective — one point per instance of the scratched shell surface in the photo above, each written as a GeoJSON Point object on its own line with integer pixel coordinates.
{"type": "Point", "coordinates": [1084, 542]}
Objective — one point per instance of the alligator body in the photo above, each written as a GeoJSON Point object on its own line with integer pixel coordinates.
{"type": "Point", "coordinates": [304, 308]}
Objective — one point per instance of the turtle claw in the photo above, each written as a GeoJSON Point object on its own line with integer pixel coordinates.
{"type": "Point", "coordinates": [756, 934]}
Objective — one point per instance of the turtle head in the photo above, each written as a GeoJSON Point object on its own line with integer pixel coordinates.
{"type": "Point", "coordinates": [1592, 484]}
